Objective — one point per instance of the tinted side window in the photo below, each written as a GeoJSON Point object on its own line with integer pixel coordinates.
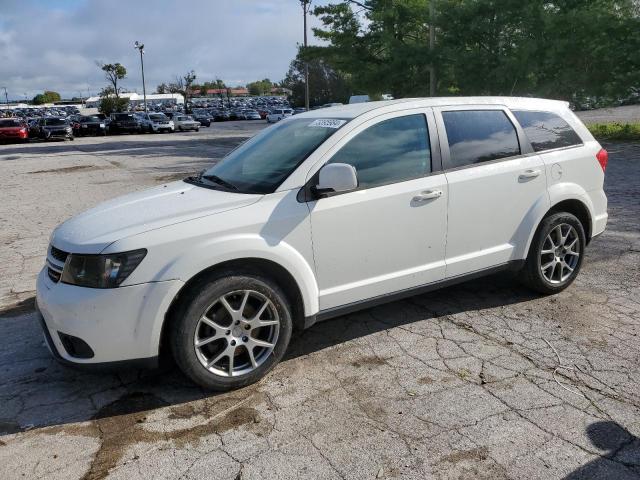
{"type": "Point", "coordinates": [479, 136]}
{"type": "Point", "coordinates": [391, 151]}
{"type": "Point", "coordinates": [546, 130]}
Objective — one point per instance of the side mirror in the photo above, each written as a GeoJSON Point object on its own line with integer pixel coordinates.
{"type": "Point", "coordinates": [335, 178]}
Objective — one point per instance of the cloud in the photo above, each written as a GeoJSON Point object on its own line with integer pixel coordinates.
{"type": "Point", "coordinates": [54, 45]}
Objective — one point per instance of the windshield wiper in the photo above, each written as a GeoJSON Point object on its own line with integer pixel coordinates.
{"type": "Point", "coordinates": [219, 181]}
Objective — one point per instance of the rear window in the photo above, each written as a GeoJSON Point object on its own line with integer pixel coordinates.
{"type": "Point", "coordinates": [55, 121]}
{"type": "Point", "coordinates": [9, 123]}
{"type": "Point", "coordinates": [546, 130]}
{"type": "Point", "coordinates": [477, 136]}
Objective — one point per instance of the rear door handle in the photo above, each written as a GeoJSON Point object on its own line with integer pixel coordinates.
{"type": "Point", "coordinates": [530, 174]}
{"type": "Point", "coordinates": [428, 195]}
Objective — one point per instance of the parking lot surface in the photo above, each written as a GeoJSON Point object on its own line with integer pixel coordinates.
{"type": "Point", "coordinates": [481, 380]}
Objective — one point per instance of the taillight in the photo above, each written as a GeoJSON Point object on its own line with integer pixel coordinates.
{"type": "Point", "coordinates": [603, 158]}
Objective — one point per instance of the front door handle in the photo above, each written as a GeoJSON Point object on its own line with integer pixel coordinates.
{"type": "Point", "coordinates": [428, 195]}
{"type": "Point", "coordinates": [529, 174]}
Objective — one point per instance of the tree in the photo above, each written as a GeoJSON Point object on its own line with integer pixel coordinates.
{"type": "Point", "coordinates": [260, 87]}
{"type": "Point", "coordinates": [568, 49]}
{"type": "Point", "coordinates": [183, 86]}
{"type": "Point", "coordinates": [326, 85]}
{"type": "Point", "coordinates": [114, 72]}
{"type": "Point", "coordinates": [162, 88]}
{"type": "Point", "coordinates": [110, 103]}
{"type": "Point", "coordinates": [46, 97]}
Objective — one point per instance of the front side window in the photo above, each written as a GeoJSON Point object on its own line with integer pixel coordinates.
{"type": "Point", "coordinates": [391, 151]}
{"type": "Point", "coordinates": [477, 136]}
{"type": "Point", "coordinates": [546, 130]}
{"type": "Point", "coordinates": [262, 163]}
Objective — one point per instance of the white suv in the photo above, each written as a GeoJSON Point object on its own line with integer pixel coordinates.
{"type": "Point", "coordinates": [278, 114]}
{"type": "Point", "coordinates": [325, 213]}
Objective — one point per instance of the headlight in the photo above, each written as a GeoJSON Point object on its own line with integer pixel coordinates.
{"type": "Point", "coordinates": [101, 271]}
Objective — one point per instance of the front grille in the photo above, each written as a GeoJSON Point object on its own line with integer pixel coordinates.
{"type": "Point", "coordinates": [53, 275]}
{"type": "Point", "coordinates": [58, 254]}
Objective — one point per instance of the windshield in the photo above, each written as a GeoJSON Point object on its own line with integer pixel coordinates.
{"type": "Point", "coordinates": [123, 116]}
{"type": "Point", "coordinates": [158, 117]}
{"type": "Point", "coordinates": [89, 119]}
{"type": "Point", "coordinates": [55, 121]}
{"type": "Point", "coordinates": [261, 164]}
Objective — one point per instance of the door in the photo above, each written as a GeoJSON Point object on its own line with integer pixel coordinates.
{"type": "Point", "coordinates": [388, 234]}
{"type": "Point", "coordinates": [495, 183]}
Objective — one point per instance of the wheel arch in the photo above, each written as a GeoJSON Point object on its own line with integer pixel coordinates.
{"type": "Point", "coordinates": [576, 206]}
{"type": "Point", "coordinates": [252, 265]}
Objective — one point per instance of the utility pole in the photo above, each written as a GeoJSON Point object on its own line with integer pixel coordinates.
{"type": "Point", "coordinates": [306, 5]}
{"type": "Point", "coordinates": [432, 44]}
{"type": "Point", "coordinates": [140, 46]}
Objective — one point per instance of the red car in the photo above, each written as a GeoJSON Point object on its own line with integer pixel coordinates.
{"type": "Point", "coordinates": [13, 129]}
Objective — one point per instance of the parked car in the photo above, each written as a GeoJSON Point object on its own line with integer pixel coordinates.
{"type": "Point", "coordinates": [252, 115]}
{"type": "Point", "coordinates": [359, 99]}
{"type": "Point", "coordinates": [88, 125]}
{"type": "Point", "coordinates": [332, 211]}
{"type": "Point", "coordinates": [278, 114]}
{"type": "Point", "coordinates": [204, 119]}
{"type": "Point", "coordinates": [185, 122]}
{"type": "Point", "coordinates": [156, 122]}
{"type": "Point", "coordinates": [298, 110]}
{"type": "Point", "coordinates": [47, 128]}
{"type": "Point", "coordinates": [125, 123]}
{"type": "Point", "coordinates": [13, 129]}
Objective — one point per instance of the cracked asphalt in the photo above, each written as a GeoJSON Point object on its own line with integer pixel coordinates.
{"type": "Point", "coordinates": [481, 380]}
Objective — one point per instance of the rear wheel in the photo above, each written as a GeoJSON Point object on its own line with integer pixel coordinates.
{"type": "Point", "coordinates": [231, 330]}
{"type": "Point", "coordinates": [555, 255]}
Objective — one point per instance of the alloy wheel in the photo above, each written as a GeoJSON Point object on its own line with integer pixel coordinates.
{"type": "Point", "coordinates": [237, 333]}
{"type": "Point", "coordinates": [560, 253]}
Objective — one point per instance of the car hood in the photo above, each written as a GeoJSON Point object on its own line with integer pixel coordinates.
{"type": "Point", "coordinates": [95, 229]}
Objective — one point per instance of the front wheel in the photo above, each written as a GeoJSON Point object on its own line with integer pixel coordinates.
{"type": "Point", "coordinates": [231, 330]}
{"type": "Point", "coordinates": [555, 255]}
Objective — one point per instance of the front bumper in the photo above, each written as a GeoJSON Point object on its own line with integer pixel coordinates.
{"type": "Point", "coordinates": [118, 324]}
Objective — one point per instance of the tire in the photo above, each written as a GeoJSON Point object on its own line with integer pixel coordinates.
{"type": "Point", "coordinates": [558, 276]}
{"type": "Point", "coordinates": [204, 299]}
{"type": "Point", "coordinates": [197, 129]}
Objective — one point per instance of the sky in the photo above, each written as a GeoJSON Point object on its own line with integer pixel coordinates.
{"type": "Point", "coordinates": [55, 44]}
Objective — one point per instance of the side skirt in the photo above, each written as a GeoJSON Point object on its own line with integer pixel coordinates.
{"type": "Point", "coordinates": [329, 313]}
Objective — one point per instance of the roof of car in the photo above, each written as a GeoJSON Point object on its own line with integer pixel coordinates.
{"type": "Point", "coordinates": [356, 109]}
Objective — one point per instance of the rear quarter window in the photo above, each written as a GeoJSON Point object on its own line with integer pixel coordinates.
{"type": "Point", "coordinates": [546, 130]}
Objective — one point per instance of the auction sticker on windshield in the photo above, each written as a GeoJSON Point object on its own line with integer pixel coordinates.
{"type": "Point", "coordinates": [327, 123]}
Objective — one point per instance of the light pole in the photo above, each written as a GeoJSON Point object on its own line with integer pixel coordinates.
{"type": "Point", "coordinates": [306, 4]}
{"type": "Point", "coordinates": [140, 46]}
{"type": "Point", "coordinates": [432, 44]}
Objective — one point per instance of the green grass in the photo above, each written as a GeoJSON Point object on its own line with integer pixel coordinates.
{"type": "Point", "coordinates": [615, 131]}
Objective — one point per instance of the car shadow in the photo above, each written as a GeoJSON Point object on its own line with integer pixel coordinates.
{"type": "Point", "coordinates": [38, 392]}
{"type": "Point", "coordinates": [621, 453]}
